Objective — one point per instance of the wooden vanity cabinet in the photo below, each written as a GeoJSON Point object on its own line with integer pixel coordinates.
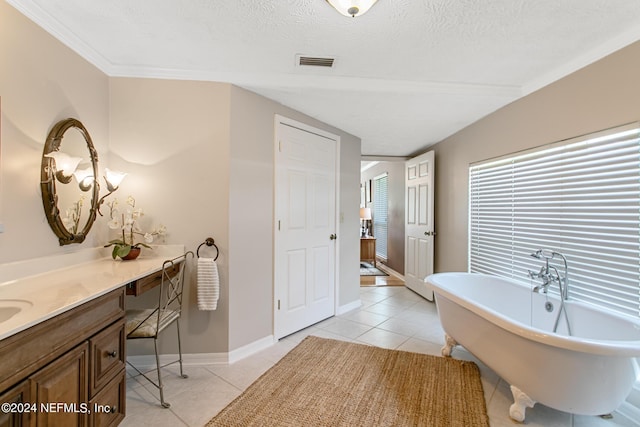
{"type": "Point", "coordinates": [16, 395]}
{"type": "Point", "coordinates": [68, 366]}
{"type": "Point", "coordinates": [63, 381]}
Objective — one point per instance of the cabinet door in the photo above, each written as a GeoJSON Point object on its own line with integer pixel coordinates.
{"type": "Point", "coordinates": [60, 390]}
{"type": "Point", "coordinates": [18, 416]}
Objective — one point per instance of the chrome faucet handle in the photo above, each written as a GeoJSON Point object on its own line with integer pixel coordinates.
{"type": "Point", "coordinates": [539, 288]}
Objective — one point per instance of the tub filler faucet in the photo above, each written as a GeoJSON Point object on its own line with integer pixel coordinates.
{"type": "Point", "coordinates": [549, 274]}
{"type": "Point", "coordinates": [546, 279]}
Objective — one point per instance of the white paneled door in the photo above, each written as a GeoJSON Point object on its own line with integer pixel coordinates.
{"type": "Point", "coordinates": [419, 227]}
{"type": "Point", "coordinates": [305, 235]}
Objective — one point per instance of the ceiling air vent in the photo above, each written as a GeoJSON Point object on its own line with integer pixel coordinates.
{"type": "Point", "coordinates": [315, 61]}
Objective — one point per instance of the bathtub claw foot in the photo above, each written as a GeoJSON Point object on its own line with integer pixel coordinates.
{"type": "Point", "coordinates": [520, 404]}
{"type": "Point", "coordinates": [448, 346]}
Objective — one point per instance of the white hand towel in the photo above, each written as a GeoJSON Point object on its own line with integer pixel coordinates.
{"type": "Point", "coordinates": [208, 284]}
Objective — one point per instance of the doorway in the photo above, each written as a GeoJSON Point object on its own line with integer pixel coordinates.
{"type": "Point", "coordinates": [385, 176]}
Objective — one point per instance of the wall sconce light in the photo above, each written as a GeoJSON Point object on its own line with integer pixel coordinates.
{"type": "Point", "coordinates": [352, 8]}
{"type": "Point", "coordinates": [113, 180]}
{"type": "Point", "coordinates": [365, 215]}
{"type": "Point", "coordinates": [65, 165]}
{"type": "Point", "coordinates": [84, 178]}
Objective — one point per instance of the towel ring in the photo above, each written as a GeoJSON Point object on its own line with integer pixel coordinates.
{"type": "Point", "coordinates": [209, 242]}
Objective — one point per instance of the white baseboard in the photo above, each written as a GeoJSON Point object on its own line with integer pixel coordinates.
{"type": "Point", "coordinates": [251, 348]}
{"type": "Point", "coordinates": [348, 307]}
{"type": "Point", "coordinates": [391, 271]}
{"type": "Point", "coordinates": [148, 361]}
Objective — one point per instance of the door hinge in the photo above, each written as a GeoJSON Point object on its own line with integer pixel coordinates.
{"type": "Point", "coordinates": [280, 146]}
{"type": "Point", "coordinates": [278, 225]}
{"type": "Point", "coordinates": [278, 304]}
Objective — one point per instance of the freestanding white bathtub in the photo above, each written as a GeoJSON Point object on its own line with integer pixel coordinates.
{"type": "Point", "coordinates": [507, 327]}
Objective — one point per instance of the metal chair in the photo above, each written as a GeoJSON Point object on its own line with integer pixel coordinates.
{"type": "Point", "coordinates": [149, 323]}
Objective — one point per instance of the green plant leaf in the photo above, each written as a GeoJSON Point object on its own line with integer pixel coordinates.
{"type": "Point", "coordinates": [115, 242]}
{"type": "Point", "coordinates": [120, 251]}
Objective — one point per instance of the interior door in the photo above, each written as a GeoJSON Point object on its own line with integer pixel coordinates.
{"type": "Point", "coordinates": [305, 236]}
{"type": "Point", "coordinates": [419, 227]}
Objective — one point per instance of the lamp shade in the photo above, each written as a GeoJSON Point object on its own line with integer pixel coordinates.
{"type": "Point", "coordinates": [84, 178]}
{"type": "Point", "coordinates": [65, 164]}
{"type": "Point", "coordinates": [113, 179]}
{"type": "Point", "coordinates": [352, 8]}
{"type": "Point", "coordinates": [365, 213]}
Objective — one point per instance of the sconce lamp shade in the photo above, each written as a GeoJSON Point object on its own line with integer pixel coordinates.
{"type": "Point", "coordinates": [365, 213]}
{"type": "Point", "coordinates": [352, 8]}
{"type": "Point", "coordinates": [84, 178]}
{"type": "Point", "coordinates": [65, 165]}
{"type": "Point", "coordinates": [113, 179]}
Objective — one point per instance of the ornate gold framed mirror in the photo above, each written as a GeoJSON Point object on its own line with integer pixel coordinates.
{"type": "Point", "coordinates": [68, 181]}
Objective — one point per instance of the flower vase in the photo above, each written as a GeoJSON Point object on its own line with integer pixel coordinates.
{"type": "Point", "coordinates": [133, 254]}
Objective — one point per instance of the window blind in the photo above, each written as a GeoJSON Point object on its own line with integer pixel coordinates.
{"type": "Point", "coordinates": [579, 197]}
{"type": "Point", "coordinates": [380, 214]}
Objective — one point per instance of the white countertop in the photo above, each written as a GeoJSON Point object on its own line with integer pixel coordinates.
{"type": "Point", "coordinates": [43, 288]}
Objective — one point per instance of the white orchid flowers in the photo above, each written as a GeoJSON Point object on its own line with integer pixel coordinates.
{"type": "Point", "coordinates": [128, 223]}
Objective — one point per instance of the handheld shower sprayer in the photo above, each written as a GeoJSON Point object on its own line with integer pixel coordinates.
{"type": "Point", "coordinates": [550, 274]}
{"type": "Point", "coordinates": [544, 254]}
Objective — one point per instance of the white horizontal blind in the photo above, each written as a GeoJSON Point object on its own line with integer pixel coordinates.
{"type": "Point", "coordinates": [380, 214]}
{"type": "Point", "coordinates": [580, 198]}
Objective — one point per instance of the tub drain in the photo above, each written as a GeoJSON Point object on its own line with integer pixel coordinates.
{"type": "Point", "coordinates": [548, 306]}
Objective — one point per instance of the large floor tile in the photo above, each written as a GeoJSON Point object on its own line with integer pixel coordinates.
{"type": "Point", "coordinates": [346, 328]}
{"type": "Point", "coordinates": [382, 338]}
{"type": "Point", "coordinates": [390, 317]}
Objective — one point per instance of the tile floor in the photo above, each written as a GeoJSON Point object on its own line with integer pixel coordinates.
{"type": "Point", "coordinates": [390, 317]}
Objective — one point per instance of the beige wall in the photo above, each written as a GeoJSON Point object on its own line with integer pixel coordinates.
{"type": "Point", "coordinates": [200, 160]}
{"type": "Point", "coordinates": [41, 82]}
{"type": "Point", "coordinates": [251, 219]}
{"type": "Point", "coordinates": [600, 96]}
{"type": "Point", "coordinates": [172, 137]}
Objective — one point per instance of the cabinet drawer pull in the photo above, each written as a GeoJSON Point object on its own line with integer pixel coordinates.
{"type": "Point", "coordinates": [113, 353]}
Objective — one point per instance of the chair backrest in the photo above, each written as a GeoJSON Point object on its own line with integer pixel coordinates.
{"type": "Point", "coordinates": [172, 285]}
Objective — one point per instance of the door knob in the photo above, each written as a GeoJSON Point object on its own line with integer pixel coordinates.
{"type": "Point", "coordinates": [333, 237]}
{"type": "Point", "coordinates": [429, 233]}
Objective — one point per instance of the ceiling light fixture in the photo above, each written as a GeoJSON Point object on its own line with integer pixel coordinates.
{"type": "Point", "coordinates": [352, 8]}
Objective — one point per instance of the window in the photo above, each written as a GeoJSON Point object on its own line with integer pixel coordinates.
{"type": "Point", "coordinates": [380, 214]}
{"type": "Point", "coordinates": [579, 197]}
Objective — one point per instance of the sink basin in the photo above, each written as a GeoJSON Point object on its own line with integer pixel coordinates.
{"type": "Point", "coordinates": [11, 307]}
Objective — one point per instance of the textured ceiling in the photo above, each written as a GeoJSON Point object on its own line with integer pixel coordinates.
{"type": "Point", "coordinates": [407, 74]}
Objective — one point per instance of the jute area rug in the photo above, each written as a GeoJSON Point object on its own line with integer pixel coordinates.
{"type": "Point", "coordinates": [325, 382]}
